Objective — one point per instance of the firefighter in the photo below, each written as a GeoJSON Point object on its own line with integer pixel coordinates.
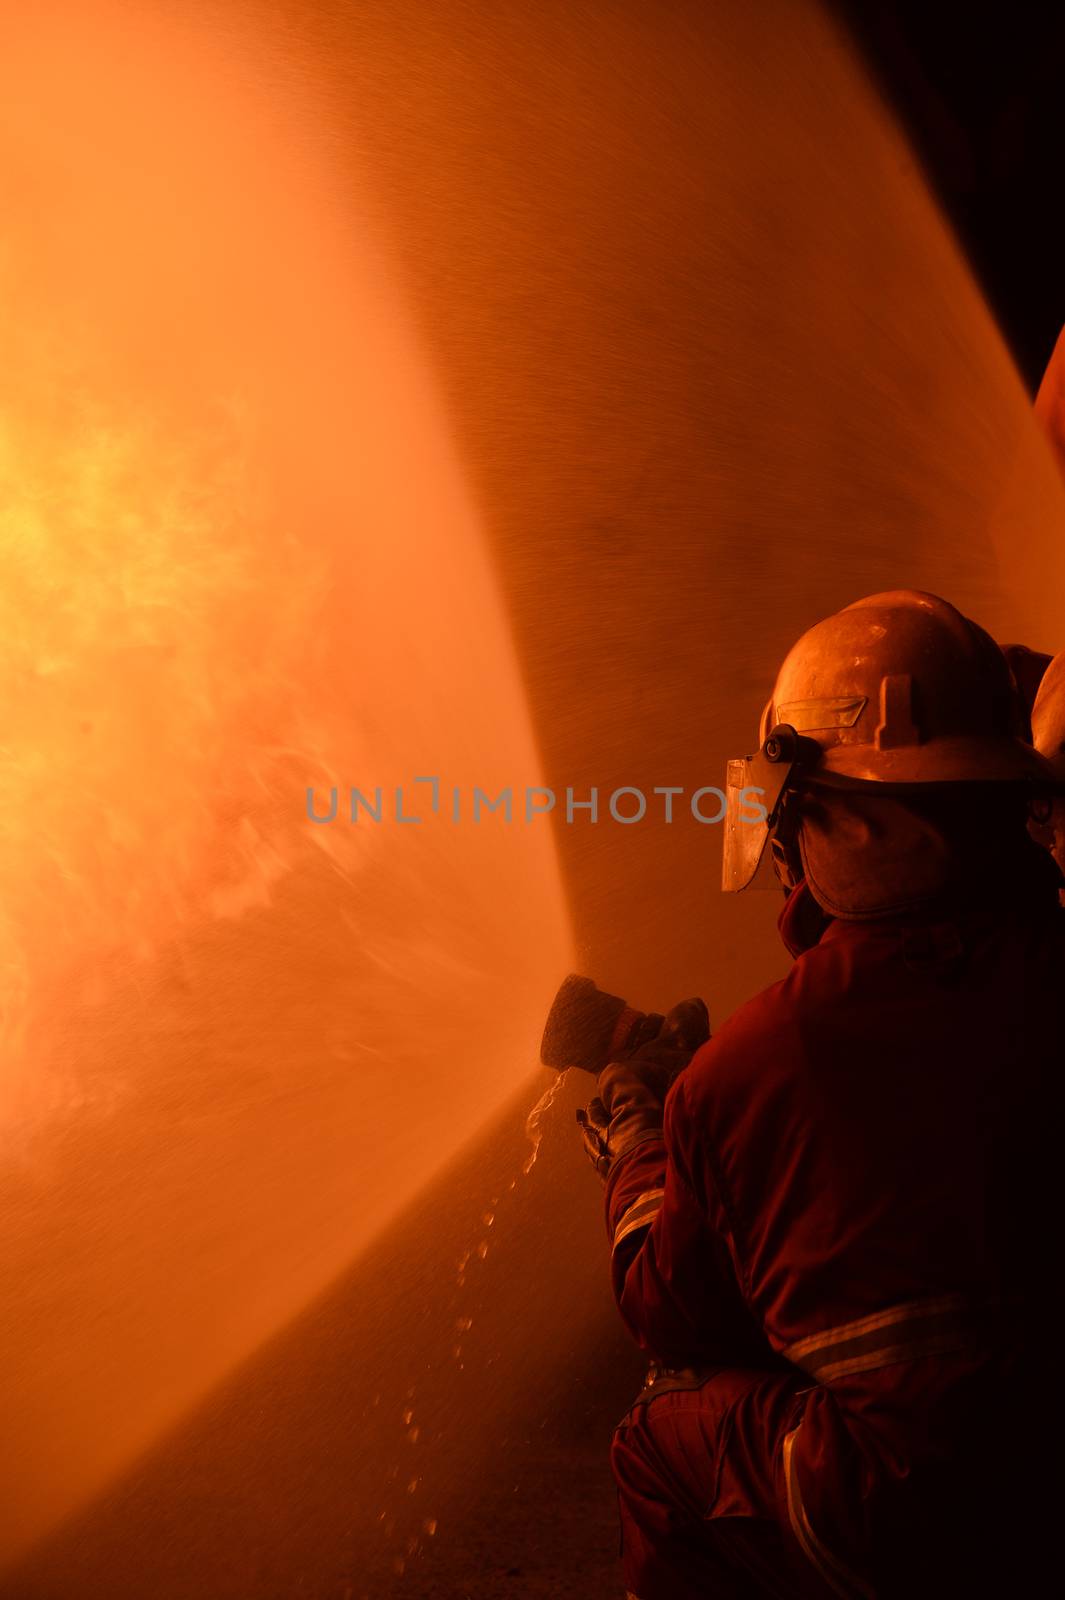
{"type": "Point", "coordinates": [833, 1235]}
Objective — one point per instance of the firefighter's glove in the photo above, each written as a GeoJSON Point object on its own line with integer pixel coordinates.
{"type": "Point", "coordinates": [628, 1108]}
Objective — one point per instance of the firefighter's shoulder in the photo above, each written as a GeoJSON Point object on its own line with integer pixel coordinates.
{"type": "Point", "coordinates": [783, 1035]}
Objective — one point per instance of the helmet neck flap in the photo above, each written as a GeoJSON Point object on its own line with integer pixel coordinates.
{"type": "Point", "coordinates": [866, 854]}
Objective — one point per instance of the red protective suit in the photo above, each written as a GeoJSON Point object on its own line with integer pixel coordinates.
{"type": "Point", "coordinates": [847, 1227]}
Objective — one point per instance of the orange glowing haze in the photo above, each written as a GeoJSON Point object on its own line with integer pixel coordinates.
{"type": "Point", "coordinates": [376, 380]}
{"type": "Point", "coordinates": [239, 556]}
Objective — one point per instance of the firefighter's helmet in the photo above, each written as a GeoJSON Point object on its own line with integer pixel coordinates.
{"type": "Point", "coordinates": [898, 691]}
{"type": "Point", "coordinates": [1048, 716]}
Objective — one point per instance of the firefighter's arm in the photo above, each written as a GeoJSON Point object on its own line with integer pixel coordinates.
{"type": "Point", "coordinates": [672, 1274]}
{"type": "Point", "coordinates": [628, 1108]}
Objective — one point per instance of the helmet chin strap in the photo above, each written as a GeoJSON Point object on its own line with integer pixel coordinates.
{"type": "Point", "coordinates": [784, 847]}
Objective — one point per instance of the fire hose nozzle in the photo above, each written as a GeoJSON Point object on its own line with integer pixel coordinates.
{"type": "Point", "coordinates": [588, 1028]}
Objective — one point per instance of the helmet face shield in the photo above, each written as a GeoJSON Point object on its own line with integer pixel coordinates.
{"type": "Point", "coordinates": [754, 787]}
{"type": "Point", "coordinates": [746, 826]}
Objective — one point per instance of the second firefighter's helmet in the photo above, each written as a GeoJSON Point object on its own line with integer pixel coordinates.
{"type": "Point", "coordinates": [1048, 716]}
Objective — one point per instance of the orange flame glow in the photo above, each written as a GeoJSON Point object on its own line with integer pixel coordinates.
{"type": "Point", "coordinates": [238, 557]}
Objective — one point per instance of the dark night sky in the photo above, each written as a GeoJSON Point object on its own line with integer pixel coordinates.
{"type": "Point", "coordinates": [980, 90]}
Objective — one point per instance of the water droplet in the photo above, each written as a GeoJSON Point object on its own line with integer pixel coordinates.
{"type": "Point", "coordinates": [430, 1525]}
{"type": "Point", "coordinates": [408, 1417]}
{"type": "Point", "coordinates": [412, 1486]}
{"type": "Point", "coordinates": [412, 1435]}
{"type": "Point", "coordinates": [482, 1249]}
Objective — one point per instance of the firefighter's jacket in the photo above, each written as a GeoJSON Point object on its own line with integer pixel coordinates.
{"type": "Point", "coordinates": [857, 1182]}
